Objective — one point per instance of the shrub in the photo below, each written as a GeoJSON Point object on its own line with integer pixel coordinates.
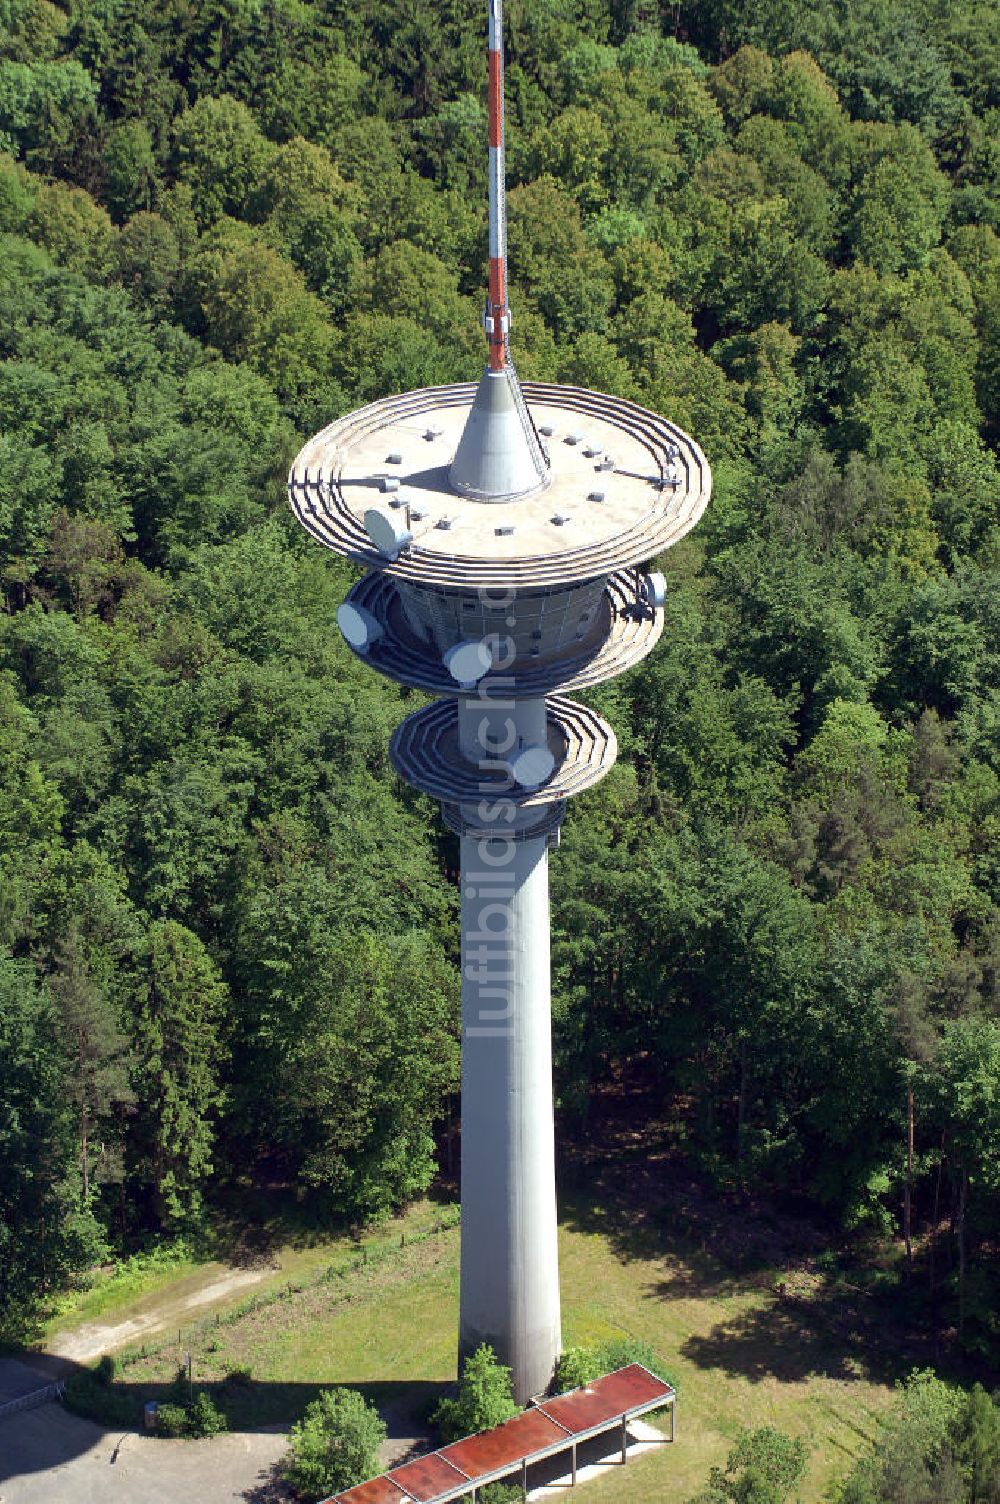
{"type": "Point", "coordinates": [621, 1351]}
{"type": "Point", "coordinates": [582, 1365]}
{"type": "Point", "coordinates": [106, 1369]}
{"type": "Point", "coordinates": [335, 1444]}
{"type": "Point", "coordinates": [484, 1398]}
{"type": "Point", "coordinates": [86, 1393]}
{"type": "Point", "coordinates": [171, 1419]}
{"type": "Point", "coordinates": [577, 1366]}
{"type": "Point", "coordinates": [203, 1417]}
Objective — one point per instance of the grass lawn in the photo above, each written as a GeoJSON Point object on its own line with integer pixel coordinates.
{"type": "Point", "coordinates": [386, 1321]}
{"type": "Point", "coordinates": [176, 1283]}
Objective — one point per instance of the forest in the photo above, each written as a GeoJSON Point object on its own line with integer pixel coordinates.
{"type": "Point", "coordinates": [228, 941]}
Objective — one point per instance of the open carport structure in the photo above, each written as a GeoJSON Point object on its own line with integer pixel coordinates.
{"type": "Point", "coordinates": [547, 1429]}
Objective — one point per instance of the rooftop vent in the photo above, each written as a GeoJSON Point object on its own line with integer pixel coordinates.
{"type": "Point", "coordinates": [394, 459]}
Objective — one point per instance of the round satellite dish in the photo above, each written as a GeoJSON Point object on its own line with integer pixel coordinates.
{"type": "Point", "coordinates": [390, 535]}
{"type": "Point", "coordinates": [468, 661]}
{"type": "Point", "coordinates": [654, 588]}
{"type": "Point", "coordinates": [532, 766]}
{"type": "Point", "coordinates": [359, 627]}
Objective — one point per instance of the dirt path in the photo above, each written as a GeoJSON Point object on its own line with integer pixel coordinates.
{"type": "Point", "coordinates": [171, 1307]}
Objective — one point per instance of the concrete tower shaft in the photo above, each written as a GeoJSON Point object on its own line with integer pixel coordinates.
{"type": "Point", "coordinates": [505, 535]}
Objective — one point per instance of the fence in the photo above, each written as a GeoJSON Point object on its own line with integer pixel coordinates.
{"type": "Point", "coordinates": [29, 1401]}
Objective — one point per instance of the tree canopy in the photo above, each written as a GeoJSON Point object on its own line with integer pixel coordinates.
{"type": "Point", "coordinates": [221, 227]}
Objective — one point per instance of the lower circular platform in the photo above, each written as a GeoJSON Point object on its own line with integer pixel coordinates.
{"type": "Point", "coordinates": [425, 751]}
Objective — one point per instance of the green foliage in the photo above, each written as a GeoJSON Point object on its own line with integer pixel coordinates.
{"type": "Point", "coordinates": [86, 1392]}
{"type": "Point", "coordinates": [335, 1444]}
{"type": "Point", "coordinates": [619, 1352]}
{"type": "Point", "coordinates": [39, 1192]}
{"type": "Point", "coordinates": [784, 905]}
{"type": "Point", "coordinates": [202, 1417]}
{"type": "Point", "coordinates": [222, 156]}
{"type": "Point", "coordinates": [577, 1366]}
{"type": "Point", "coordinates": [176, 1075]}
{"type": "Point", "coordinates": [937, 1446]}
{"type": "Point", "coordinates": [762, 1468]}
{"type": "Point", "coordinates": [582, 1365]}
{"type": "Point", "coordinates": [485, 1398]}
{"type": "Point", "coordinates": [171, 1420]}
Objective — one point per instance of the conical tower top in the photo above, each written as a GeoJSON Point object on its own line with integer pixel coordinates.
{"type": "Point", "coordinates": [500, 455]}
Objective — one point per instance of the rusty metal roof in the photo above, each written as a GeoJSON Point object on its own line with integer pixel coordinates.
{"type": "Point", "coordinates": [538, 1432]}
{"type": "Point", "coordinates": [618, 1394]}
{"type": "Point", "coordinates": [377, 1491]}
{"type": "Point", "coordinates": [505, 1445]}
{"type": "Point", "coordinates": [426, 1478]}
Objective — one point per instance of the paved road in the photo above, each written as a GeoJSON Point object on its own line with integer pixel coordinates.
{"type": "Point", "coordinates": [48, 1456]}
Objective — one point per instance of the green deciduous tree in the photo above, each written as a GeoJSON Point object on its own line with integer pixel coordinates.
{"type": "Point", "coordinates": [223, 155]}
{"type": "Point", "coordinates": [335, 1444]}
{"type": "Point", "coordinates": [485, 1398]}
{"type": "Point", "coordinates": [762, 1468]}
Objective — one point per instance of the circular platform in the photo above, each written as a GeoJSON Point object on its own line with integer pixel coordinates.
{"type": "Point", "coordinates": [610, 502]}
{"type": "Point", "coordinates": [425, 752]}
{"type": "Point", "coordinates": [627, 629]}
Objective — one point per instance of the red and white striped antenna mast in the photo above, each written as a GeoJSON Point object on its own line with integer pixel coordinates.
{"type": "Point", "coordinates": [500, 454]}
{"type": "Point", "coordinates": [496, 319]}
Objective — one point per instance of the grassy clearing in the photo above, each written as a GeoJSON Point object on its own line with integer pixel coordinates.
{"type": "Point", "coordinates": [117, 1287]}
{"type": "Point", "coordinates": [383, 1317]}
{"type": "Point", "coordinates": [173, 1281]}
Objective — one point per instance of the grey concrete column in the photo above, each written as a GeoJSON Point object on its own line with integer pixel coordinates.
{"type": "Point", "coordinates": [510, 1264]}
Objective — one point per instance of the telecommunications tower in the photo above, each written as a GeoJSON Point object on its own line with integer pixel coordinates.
{"type": "Point", "coordinates": [506, 531]}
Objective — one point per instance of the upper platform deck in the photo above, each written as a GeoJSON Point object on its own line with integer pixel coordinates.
{"type": "Point", "coordinates": [609, 503]}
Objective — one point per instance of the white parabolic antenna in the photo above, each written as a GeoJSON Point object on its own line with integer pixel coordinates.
{"type": "Point", "coordinates": [468, 661]}
{"type": "Point", "coordinates": [655, 590]}
{"type": "Point", "coordinates": [388, 534]}
{"type": "Point", "coordinates": [359, 627]}
{"type": "Point", "coordinates": [532, 766]}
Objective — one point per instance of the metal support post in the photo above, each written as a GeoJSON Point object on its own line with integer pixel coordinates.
{"type": "Point", "coordinates": [624, 1438]}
